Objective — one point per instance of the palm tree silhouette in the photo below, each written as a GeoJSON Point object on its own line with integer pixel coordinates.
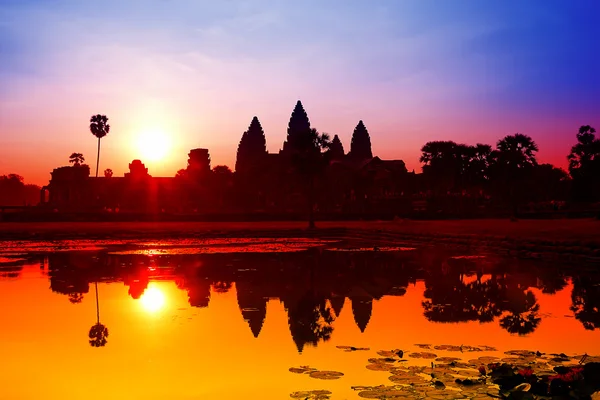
{"type": "Point", "coordinates": [99, 127]}
{"type": "Point", "coordinates": [98, 332]}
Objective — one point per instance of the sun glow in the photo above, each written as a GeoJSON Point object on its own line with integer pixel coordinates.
{"type": "Point", "coordinates": [154, 145]}
{"type": "Point", "coordinates": [153, 299]}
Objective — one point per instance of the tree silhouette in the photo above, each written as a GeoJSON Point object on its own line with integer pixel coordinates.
{"type": "Point", "coordinates": [309, 161]}
{"type": "Point", "coordinates": [310, 320]}
{"type": "Point", "coordinates": [76, 159]}
{"type": "Point", "coordinates": [513, 161]}
{"type": "Point", "coordinates": [584, 165]}
{"type": "Point", "coordinates": [98, 332]}
{"type": "Point", "coordinates": [586, 301]}
{"type": "Point", "coordinates": [360, 147]}
{"type": "Point", "coordinates": [522, 317]}
{"type": "Point", "coordinates": [108, 173]}
{"type": "Point", "coordinates": [99, 127]}
{"type": "Point", "coordinates": [252, 148]}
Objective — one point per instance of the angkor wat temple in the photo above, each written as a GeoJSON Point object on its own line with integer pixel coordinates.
{"type": "Point", "coordinates": [262, 182]}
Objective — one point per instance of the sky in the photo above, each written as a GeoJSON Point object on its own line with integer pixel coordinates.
{"type": "Point", "coordinates": [195, 72]}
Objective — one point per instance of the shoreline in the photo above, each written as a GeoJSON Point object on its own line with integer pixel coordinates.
{"type": "Point", "coordinates": [565, 239]}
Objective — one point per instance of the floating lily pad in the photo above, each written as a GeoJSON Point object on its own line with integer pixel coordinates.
{"type": "Point", "coordinates": [522, 353]}
{"type": "Point", "coordinates": [312, 395]}
{"type": "Point", "coordinates": [352, 348]}
{"type": "Point", "coordinates": [424, 346]}
{"type": "Point", "coordinates": [384, 392]}
{"type": "Point", "coordinates": [423, 355]}
{"type": "Point", "coordinates": [327, 375]}
{"type": "Point", "coordinates": [447, 359]}
{"type": "Point", "coordinates": [382, 360]}
{"type": "Point", "coordinates": [302, 369]}
{"type": "Point", "coordinates": [380, 366]}
{"type": "Point", "coordinates": [447, 347]}
{"type": "Point", "coordinates": [444, 394]}
{"type": "Point", "coordinates": [407, 379]}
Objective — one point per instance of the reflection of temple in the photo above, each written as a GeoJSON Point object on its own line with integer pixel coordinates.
{"type": "Point", "coordinates": [314, 286]}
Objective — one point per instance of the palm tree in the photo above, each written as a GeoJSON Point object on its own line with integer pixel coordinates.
{"type": "Point", "coordinates": [513, 161]}
{"type": "Point", "coordinates": [99, 127]}
{"type": "Point", "coordinates": [98, 332]}
{"type": "Point", "coordinates": [76, 159]}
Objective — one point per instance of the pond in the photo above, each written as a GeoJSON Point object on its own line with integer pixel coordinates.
{"type": "Point", "coordinates": [227, 319]}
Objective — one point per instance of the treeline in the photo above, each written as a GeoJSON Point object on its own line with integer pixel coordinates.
{"type": "Point", "coordinates": [511, 172]}
{"type": "Point", "coordinates": [15, 192]}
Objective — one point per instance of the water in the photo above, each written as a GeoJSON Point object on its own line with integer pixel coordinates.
{"type": "Point", "coordinates": [227, 319]}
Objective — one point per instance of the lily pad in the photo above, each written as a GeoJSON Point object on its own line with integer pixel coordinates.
{"type": "Point", "coordinates": [302, 369]}
{"type": "Point", "coordinates": [424, 346]}
{"type": "Point", "coordinates": [327, 375]}
{"type": "Point", "coordinates": [352, 348]}
{"type": "Point", "coordinates": [312, 395]}
{"type": "Point", "coordinates": [447, 359]}
{"type": "Point", "coordinates": [380, 366]}
{"type": "Point", "coordinates": [423, 355]}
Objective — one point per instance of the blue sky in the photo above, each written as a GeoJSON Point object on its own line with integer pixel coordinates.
{"type": "Point", "coordinates": [471, 71]}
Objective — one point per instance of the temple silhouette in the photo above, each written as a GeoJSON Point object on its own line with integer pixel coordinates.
{"type": "Point", "coordinates": [262, 181]}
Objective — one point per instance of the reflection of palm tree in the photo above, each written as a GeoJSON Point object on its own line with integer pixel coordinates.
{"type": "Point", "coordinates": [310, 320]}
{"type": "Point", "coordinates": [522, 317]}
{"type": "Point", "coordinates": [586, 301]}
{"type": "Point", "coordinates": [98, 332]}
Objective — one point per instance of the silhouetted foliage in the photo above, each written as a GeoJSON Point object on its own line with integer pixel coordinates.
{"type": "Point", "coordinates": [360, 147]}
{"type": "Point", "coordinates": [108, 173]}
{"type": "Point", "coordinates": [98, 335]}
{"type": "Point", "coordinates": [76, 159]}
{"type": "Point", "coordinates": [99, 127]}
{"type": "Point", "coordinates": [513, 163]}
{"type": "Point", "coordinates": [310, 320]}
{"type": "Point", "coordinates": [586, 301]}
{"type": "Point", "coordinates": [584, 165]}
{"type": "Point", "coordinates": [15, 192]}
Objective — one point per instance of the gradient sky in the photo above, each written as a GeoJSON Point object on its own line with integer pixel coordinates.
{"type": "Point", "coordinates": [413, 70]}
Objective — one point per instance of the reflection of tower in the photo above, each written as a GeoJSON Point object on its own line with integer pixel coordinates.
{"type": "Point", "coordinates": [252, 305]}
{"type": "Point", "coordinates": [337, 303]}
{"type": "Point", "coordinates": [198, 291]}
{"type": "Point", "coordinates": [362, 306]}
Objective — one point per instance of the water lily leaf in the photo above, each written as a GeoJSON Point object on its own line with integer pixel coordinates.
{"type": "Point", "coordinates": [382, 360]}
{"type": "Point", "coordinates": [523, 387]}
{"type": "Point", "coordinates": [447, 359]}
{"type": "Point", "coordinates": [384, 394]}
{"type": "Point", "coordinates": [328, 375]}
{"type": "Point", "coordinates": [423, 355]}
{"type": "Point", "coordinates": [524, 353]}
{"type": "Point", "coordinates": [312, 395]}
{"type": "Point", "coordinates": [380, 366]}
{"type": "Point", "coordinates": [444, 394]}
{"type": "Point", "coordinates": [352, 348]}
{"type": "Point", "coordinates": [407, 379]}
{"type": "Point", "coordinates": [424, 346]}
{"type": "Point", "coordinates": [447, 347]}
{"type": "Point", "coordinates": [302, 369]}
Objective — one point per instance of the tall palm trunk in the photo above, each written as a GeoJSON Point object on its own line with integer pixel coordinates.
{"type": "Point", "coordinates": [98, 158]}
{"type": "Point", "coordinates": [97, 303]}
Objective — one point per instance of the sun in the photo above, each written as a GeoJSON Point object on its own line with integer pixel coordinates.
{"type": "Point", "coordinates": [153, 299]}
{"type": "Point", "coordinates": [154, 145]}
